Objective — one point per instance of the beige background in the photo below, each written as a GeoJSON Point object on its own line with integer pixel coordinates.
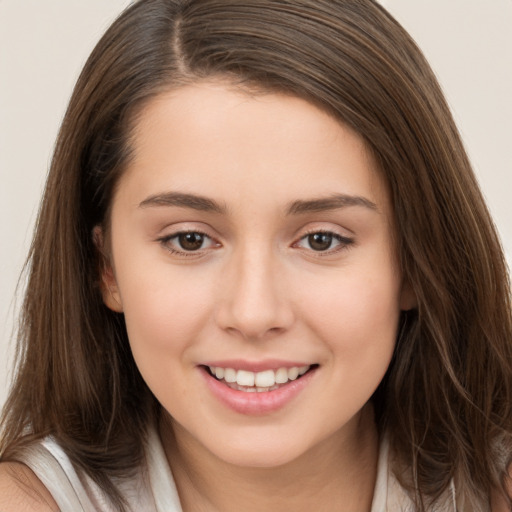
{"type": "Point", "coordinates": [43, 45]}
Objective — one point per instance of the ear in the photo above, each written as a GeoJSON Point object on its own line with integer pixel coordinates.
{"type": "Point", "coordinates": [108, 283]}
{"type": "Point", "coordinates": [408, 299]}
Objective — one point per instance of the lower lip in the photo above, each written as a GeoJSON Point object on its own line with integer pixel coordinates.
{"type": "Point", "coordinates": [256, 403]}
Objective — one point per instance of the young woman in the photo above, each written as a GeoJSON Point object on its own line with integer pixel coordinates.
{"type": "Point", "coordinates": [263, 278]}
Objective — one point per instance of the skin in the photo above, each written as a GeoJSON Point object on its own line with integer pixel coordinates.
{"type": "Point", "coordinates": [22, 491]}
{"type": "Point", "coordinates": [256, 289]}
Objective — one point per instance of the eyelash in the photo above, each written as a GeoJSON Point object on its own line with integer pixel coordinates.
{"type": "Point", "coordinates": [344, 242]}
{"type": "Point", "coordinates": [165, 242]}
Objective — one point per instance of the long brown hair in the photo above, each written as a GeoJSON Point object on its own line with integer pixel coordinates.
{"type": "Point", "coordinates": [446, 400]}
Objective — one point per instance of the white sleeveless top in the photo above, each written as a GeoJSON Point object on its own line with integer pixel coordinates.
{"type": "Point", "coordinates": [153, 489]}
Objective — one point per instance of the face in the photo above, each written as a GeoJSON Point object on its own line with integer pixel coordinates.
{"type": "Point", "coordinates": [252, 256]}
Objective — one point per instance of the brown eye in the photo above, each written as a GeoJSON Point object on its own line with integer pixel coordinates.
{"type": "Point", "coordinates": [188, 243]}
{"type": "Point", "coordinates": [324, 242]}
{"type": "Point", "coordinates": [191, 241]}
{"type": "Point", "coordinates": [320, 241]}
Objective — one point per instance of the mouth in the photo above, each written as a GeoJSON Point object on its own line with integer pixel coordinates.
{"type": "Point", "coordinates": [258, 382]}
{"type": "Point", "coordinates": [257, 389]}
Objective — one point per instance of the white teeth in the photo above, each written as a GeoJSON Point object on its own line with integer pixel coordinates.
{"type": "Point", "coordinates": [293, 373]}
{"type": "Point", "coordinates": [267, 380]}
{"type": "Point", "coordinates": [244, 378]}
{"type": "Point", "coordinates": [229, 375]}
{"type": "Point", "coordinates": [281, 376]}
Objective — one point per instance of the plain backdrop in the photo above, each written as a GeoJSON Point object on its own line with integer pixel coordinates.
{"type": "Point", "coordinates": [43, 45]}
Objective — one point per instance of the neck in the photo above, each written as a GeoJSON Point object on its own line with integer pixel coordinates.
{"type": "Point", "coordinates": [338, 474]}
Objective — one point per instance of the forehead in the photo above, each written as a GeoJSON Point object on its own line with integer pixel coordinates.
{"type": "Point", "coordinates": [215, 137]}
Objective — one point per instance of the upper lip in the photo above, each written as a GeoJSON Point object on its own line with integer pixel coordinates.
{"type": "Point", "coordinates": [255, 366]}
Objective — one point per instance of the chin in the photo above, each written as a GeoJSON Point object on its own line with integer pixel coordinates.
{"type": "Point", "coordinates": [259, 459]}
{"type": "Point", "coordinates": [259, 451]}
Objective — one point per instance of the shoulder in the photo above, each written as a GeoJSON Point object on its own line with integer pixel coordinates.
{"type": "Point", "coordinates": [499, 503]}
{"type": "Point", "coordinates": [22, 491]}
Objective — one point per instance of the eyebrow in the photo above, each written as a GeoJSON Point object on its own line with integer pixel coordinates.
{"type": "Point", "coordinates": [183, 200]}
{"type": "Point", "coordinates": [333, 202]}
{"type": "Point", "coordinates": [205, 204]}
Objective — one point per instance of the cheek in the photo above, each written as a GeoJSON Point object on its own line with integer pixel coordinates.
{"type": "Point", "coordinates": [164, 317]}
{"type": "Point", "coordinates": [357, 315]}
{"type": "Point", "coordinates": [164, 310]}
{"type": "Point", "coordinates": [358, 327]}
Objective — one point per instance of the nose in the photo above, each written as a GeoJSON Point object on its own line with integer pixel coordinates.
{"type": "Point", "coordinates": [254, 302]}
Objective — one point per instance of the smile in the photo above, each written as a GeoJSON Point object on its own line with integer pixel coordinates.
{"type": "Point", "coordinates": [251, 382]}
{"type": "Point", "coordinates": [257, 392]}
